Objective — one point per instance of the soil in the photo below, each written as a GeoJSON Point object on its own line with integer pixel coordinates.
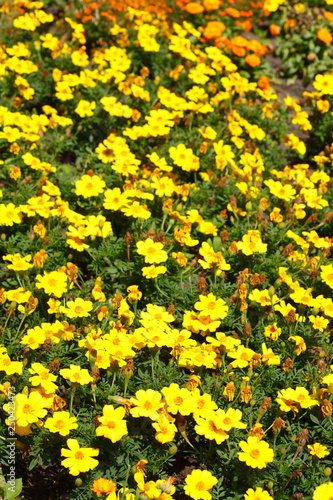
{"type": "Point", "coordinates": [44, 483]}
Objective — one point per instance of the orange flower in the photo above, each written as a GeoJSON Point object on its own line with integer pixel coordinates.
{"type": "Point", "coordinates": [194, 8]}
{"type": "Point", "coordinates": [211, 4]}
{"type": "Point", "coordinates": [232, 12]}
{"type": "Point", "coordinates": [289, 24]}
{"type": "Point", "coordinates": [257, 47]}
{"type": "Point", "coordinates": [103, 486]}
{"type": "Point", "coordinates": [239, 45]}
{"type": "Point", "coordinates": [214, 29]}
{"type": "Point", "coordinates": [246, 25]}
{"type": "Point", "coordinates": [274, 29]}
{"type": "Point", "coordinates": [253, 60]}
{"type": "Point", "coordinates": [328, 15]}
{"type": "Point", "coordinates": [324, 36]}
{"type": "Point", "coordinates": [263, 83]}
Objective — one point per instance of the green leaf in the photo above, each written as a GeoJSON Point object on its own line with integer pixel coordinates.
{"type": "Point", "coordinates": [12, 491]}
{"type": "Point", "coordinates": [314, 419]}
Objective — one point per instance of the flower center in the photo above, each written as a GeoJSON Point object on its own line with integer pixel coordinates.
{"type": "Point", "coordinates": [200, 486]}
{"type": "Point", "coordinates": [255, 453]}
{"type": "Point", "coordinates": [27, 408]}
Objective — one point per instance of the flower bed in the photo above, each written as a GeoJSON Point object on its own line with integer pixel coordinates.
{"type": "Point", "coordinates": [166, 239]}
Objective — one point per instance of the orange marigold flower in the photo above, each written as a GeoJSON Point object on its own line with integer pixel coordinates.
{"type": "Point", "coordinates": [328, 15]}
{"type": "Point", "coordinates": [324, 36]}
{"type": "Point", "coordinates": [253, 60]}
{"type": "Point", "coordinates": [214, 29]}
{"type": "Point", "coordinates": [232, 12]}
{"type": "Point", "coordinates": [211, 4]}
{"type": "Point", "coordinates": [289, 24]}
{"type": "Point", "coordinates": [239, 46]}
{"type": "Point", "coordinates": [103, 486]}
{"type": "Point", "coordinates": [274, 29]}
{"type": "Point", "coordinates": [194, 8]}
{"type": "Point", "coordinates": [263, 83]}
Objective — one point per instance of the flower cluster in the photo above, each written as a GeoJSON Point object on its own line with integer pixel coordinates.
{"type": "Point", "coordinates": [166, 249]}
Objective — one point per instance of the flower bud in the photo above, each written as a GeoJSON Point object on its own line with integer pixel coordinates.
{"type": "Point", "coordinates": [173, 450]}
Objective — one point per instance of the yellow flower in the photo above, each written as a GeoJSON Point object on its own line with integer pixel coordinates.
{"type": "Point", "coordinates": [292, 399]}
{"type": "Point", "coordinates": [257, 494]}
{"type": "Point", "coordinates": [164, 186]}
{"type": "Point", "coordinates": [78, 459]}
{"type": "Point", "coordinates": [152, 252]}
{"type": "Point", "coordinates": [134, 293]}
{"type": "Point", "coordinates": [152, 272]}
{"type": "Point", "coordinates": [112, 425]}
{"type": "Point", "coordinates": [256, 454]}
{"type": "Point", "coordinates": [180, 257]}
{"type": "Point", "coordinates": [165, 430]}
{"type": "Point", "coordinates": [146, 404]}
{"type": "Point", "coordinates": [80, 58]}
{"type": "Point", "coordinates": [9, 214]}
{"type": "Point", "coordinates": [61, 422]}
{"type": "Point", "coordinates": [251, 243]}
{"type": "Point", "coordinates": [8, 366]}
{"type": "Point", "coordinates": [76, 375]}
{"type": "Point", "coordinates": [199, 483]}
{"type": "Point", "coordinates": [318, 450]}
{"type": "Point", "coordinates": [53, 283]}
{"type": "Point", "coordinates": [28, 409]}
{"type": "Point", "coordinates": [179, 400]}
{"type": "Point", "coordinates": [323, 492]}
{"type": "Point", "coordinates": [11, 134]}
{"type": "Point", "coordinates": [19, 295]}
{"type": "Point", "coordinates": [210, 426]}
{"type": "Point", "coordinates": [34, 338]}
{"type": "Point", "coordinates": [272, 331]}
{"type": "Point", "coordinates": [85, 108]}
{"type": "Point", "coordinates": [43, 377]}
{"type": "Point", "coordinates": [158, 313]}
{"type": "Point", "coordinates": [318, 322]}
{"type": "Point", "coordinates": [268, 356]}
{"type": "Point", "coordinates": [77, 308]}
{"type": "Point", "coordinates": [300, 344]}
{"type": "Point", "coordinates": [327, 274]}
{"type": "Point", "coordinates": [294, 142]}
{"type": "Point", "coordinates": [18, 263]}
{"type": "Point", "coordinates": [114, 199]}
{"type": "Point", "coordinates": [214, 307]}
{"type": "Point", "coordinates": [137, 211]}
{"type": "Point", "coordinates": [89, 185]}
{"type": "Point", "coordinates": [183, 157]}
{"type": "Point", "coordinates": [212, 259]}
{"type": "Point", "coordinates": [242, 356]}
{"type": "Point", "coordinates": [204, 401]}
